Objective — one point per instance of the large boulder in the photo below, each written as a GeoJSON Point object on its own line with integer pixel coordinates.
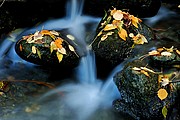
{"type": "Point", "coordinates": [48, 48]}
{"type": "Point", "coordinates": [117, 34]}
{"type": "Point", "coordinates": [150, 91]}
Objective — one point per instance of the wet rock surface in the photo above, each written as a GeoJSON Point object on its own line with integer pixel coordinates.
{"type": "Point", "coordinates": [48, 48]}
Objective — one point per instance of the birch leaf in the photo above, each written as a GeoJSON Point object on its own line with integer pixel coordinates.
{"type": "Point", "coordinates": [39, 53]}
{"type": "Point", "coordinates": [62, 50]}
{"type": "Point", "coordinates": [59, 56]}
{"type": "Point", "coordinates": [33, 49]}
{"type": "Point", "coordinates": [71, 48]}
{"type": "Point", "coordinates": [162, 93]}
{"type": "Point", "coordinates": [164, 111]}
{"type": "Point", "coordinates": [52, 47]}
{"type": "Point", "coordinates": [123, 34]}
{"type": "Point", "coordinates": [118, 15]}
{"type": "Point", "coordinates": [109, 27]}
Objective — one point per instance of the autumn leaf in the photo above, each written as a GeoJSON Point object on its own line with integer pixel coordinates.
{"type": "Point", "coordinates": [58, 42]}
{"type": "Point", "coordinates": [39, 53]}
{"type": "Point", "coordinates": [53, 46]}
{"type": "Point", "coordinates": [164, 81]}
{"type": "Point", "coordinates": [164, 111]}
{"type": "Point", "coordinates": [104, 37]}
{"type": "Point", "coordinates": [33, 49]}
{"type": "Point", "coordinates": [47, 32]}
{"type": "Point", "coordinates": [71, 37]}
{"type": "Point", "coordinates": [118, 24]}
{"type": "Point", "coordinates": [54, 32]}
{"type": "Point", "coordinates": [20, 47]}
{"type": "Point", "coordinates": [117, 15]}
{"type": "Point", "coordinates": [162, 94]}
{"type": "Point", "coordinates": [145, 73]}
{"type": "Point", "coordinates": [109, 27]}
{"type": "Point", "coordinates": [123, 34]}
{"type": "Point", "coordinates": [153, 52]}
{"type": "Point", "coordinates": [178, 52]}
{"type": "Point", "coordinates": [165, 53]}
{"type": "Point", "coordinates": [59, 56]}
{"type": "Point", "coordinates": [135, 21]}
{"type": "Point", "coordinates": [139, 39]}
{"type": "Point", "coordinates": [62, 50]}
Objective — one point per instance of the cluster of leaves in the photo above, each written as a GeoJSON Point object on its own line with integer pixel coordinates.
{"type": "Point", "coordinates": [164, 81]}
{"type": "Point", "coordinates": [56, 44]}
{"type": "Point", "coordinates": [121, 21]}
{"type": "Point", "coordinates": [3, 87]}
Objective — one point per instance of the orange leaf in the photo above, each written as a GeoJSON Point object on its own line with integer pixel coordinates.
{"type": "Point", "coordinates": [123, 34]}
{"type": "Point", "coordinates": [20, 47]}
{"type": "Point", "coordinates": [58, 42]}
{"type": "Point", "coordinates": [135, 21]}
{"type": "Point", "coordinates": [162, 93]}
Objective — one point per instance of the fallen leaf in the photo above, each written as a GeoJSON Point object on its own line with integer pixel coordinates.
{"type": "Point", "coordinates": [123, 34]}
{"type": "Point", "coordinates": [165, 53]}
{"type": "Point", "coordinates": [117, 15]}
{"type": "Point", "coordinates": [164, 111]}
{"type": "Point", "coordinates": [33, 49]}
{"type": "Point", "coordinates": [153, 52]}
{"type": "Point", "coordinates": [71, 48]}
{"type": "Point", "coordinates": [59, 56]}
{"type": "Point", "coordinates": [162, 94]}
{"type": "Point", "coordinates": [62, 50]}
{"type": "Point", "coordinates": [109, 27]}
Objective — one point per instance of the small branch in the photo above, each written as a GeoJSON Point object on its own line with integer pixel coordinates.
{"type": "Point", "coordinates": [2, 3]}
{"type": "Point", "coordinates": [51, 86]}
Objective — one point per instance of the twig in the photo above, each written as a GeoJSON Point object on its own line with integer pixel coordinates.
{"type": "Point", "coordinates": [2, 3]}
{"type": "Point", "coordinates": [33, 81]}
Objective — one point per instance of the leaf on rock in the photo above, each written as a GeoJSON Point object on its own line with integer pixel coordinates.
{"type": "Point", "coordinates": [71, 48]}
{"type": "Point", "coordinates": [58, 42]}
{"type": "Point", "coordinates": [53, 47]}
{"type": "Point", "coordinates": [62, 50]}
{"type": "Point", "coordinates": [117, 15]}
{"type": "Point", "coordinates": [164, 111]}
{"type": "Point", "coordinates": [39, 53]}
{"type": "Point", "coordinates": [123, 34]}
{"type": "Point", "coordinates": [178, 52]}
{"type": "Point", "coordinates": [59, 56]}
{"type": "Point", "coordinates": [153, 53]}
{"type": "Point", "coordinates": [135, 20]}
{"type": "Point", "coordinates": [33, 49]}
{"type": "Point", "coordinates": [20, 47]}
{"type": "Point", "coordinates": [162, 94]}
{"type": "Point", "coordinates": [109, 27]}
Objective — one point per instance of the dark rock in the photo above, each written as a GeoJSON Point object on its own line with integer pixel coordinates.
{"type": "Point", "coordinates": [44, 47]}
{"type": "Point", "coordinates": [138, 87]}
{"type": "Point", "coordinates": [110, 45]}
{"type": "Point", "coordinates": [135, 7]}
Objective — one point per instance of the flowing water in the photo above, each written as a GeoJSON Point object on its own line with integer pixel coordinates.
{"type": "Point", "coordinates": [88, 94]}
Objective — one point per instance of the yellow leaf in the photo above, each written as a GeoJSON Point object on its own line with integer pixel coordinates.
{"type": "Point", "coordinates": [39, 53]}
{"type": "Point", "coordinates": [33, 49]}
{"type": "Point", "coordinates": [53, 46]}
{"type": "Point", "coordinates": [135, 21]}
{"type": "Point", "coordinates": [145, 73]}
{"type": "Point", "coordinates": [162, 93]}
{"type": "Point", "coordinates": [178, 52]}
{"type": "Point", "coordinates": [104, 37]}
{"type": "Point", "coordinates": [59, 56]}
{"type": "Point", "coordinates": [164, 111]}
{"type": "Point", "coordinates": [109, 27]}
{"type": "Point", "coordinates": [123, 34]}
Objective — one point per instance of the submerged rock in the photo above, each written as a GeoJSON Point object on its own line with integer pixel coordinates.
{"type": "Point", "coordinates": [48, 48]}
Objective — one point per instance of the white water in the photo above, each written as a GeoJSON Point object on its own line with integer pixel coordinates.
{"type": "Point", "coordinates": [90, 93]}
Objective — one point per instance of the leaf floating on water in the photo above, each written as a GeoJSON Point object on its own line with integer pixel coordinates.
{"type": "Point", "coordinates": [33, 49]}
{"type": "Point", "coordinates": [164, 111]}
{"type": "Point", "coordinates": [59, 56]}
{"type": "Point", "coordinates": [162, 94]}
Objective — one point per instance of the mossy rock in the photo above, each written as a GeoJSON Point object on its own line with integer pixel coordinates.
{"type": "Point", "coordinates": [47, 48]}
